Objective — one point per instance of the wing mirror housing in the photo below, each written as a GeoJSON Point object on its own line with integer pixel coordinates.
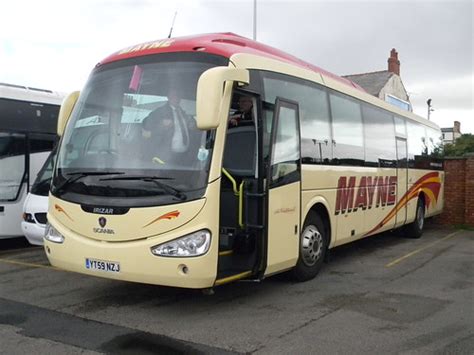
{"type": "Point", "coordinates": [210, 90]}
{"type": "Point", "coordinates": [65, 111]}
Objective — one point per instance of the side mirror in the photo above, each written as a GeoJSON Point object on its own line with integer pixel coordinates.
{"type": "Point", "coordinates": [65, 111]}
{"type": "Point", "coordinates": [210, 89]}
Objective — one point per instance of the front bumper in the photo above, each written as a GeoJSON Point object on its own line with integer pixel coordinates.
{"type": "Point", "coordinates": [33, 232]}
{"type": "Point", "coordinates": [137, 263]}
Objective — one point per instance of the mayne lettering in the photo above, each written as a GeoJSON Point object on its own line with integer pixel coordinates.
{"type": "Point", "coordinates": [351, 196]}
{"type": "Point", "coordinates": [149, 45]}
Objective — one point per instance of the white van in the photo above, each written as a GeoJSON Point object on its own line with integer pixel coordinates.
{"type": "Point", "coordinates": [36, 204]}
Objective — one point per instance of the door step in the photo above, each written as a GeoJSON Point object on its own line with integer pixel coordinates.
{"type": "Point", "coordinates": [226, 252]}
{"type": "Point", "coordinates": [232, 278]}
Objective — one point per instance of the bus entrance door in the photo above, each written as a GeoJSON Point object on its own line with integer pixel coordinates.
{"type": "Point", "coordinates": [284, 188]}
{"type": "Point", "coordinates": [402, 181]}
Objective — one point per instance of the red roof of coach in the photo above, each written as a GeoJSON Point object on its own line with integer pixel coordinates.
{"type": "Point", "coordinates": [224, 44]}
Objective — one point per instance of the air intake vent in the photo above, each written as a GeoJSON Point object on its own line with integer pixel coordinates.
{"type": "Point", "coordinates": [41, 218]}
{"type": "Point", "coordinates": [229, 41]}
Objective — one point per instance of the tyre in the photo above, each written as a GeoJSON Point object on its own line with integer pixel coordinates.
{"type": "Point", "coordinates": [312, 249]}
{"type": "Point", "coordinates": [415, 229]}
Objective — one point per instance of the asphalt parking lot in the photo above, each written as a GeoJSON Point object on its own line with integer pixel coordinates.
{"type": "Point", "coordinates": [384, 294]}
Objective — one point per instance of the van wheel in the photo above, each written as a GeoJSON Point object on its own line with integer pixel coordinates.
{"type": "Point", "coordinates": [415, 229]}
{"type": "Point", "coordinates": [313, 248]}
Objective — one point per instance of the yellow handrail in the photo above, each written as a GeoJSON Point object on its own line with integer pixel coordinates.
{"type": "Point", "coordinates": [232, 180]}
{"type": "Point", "coordinates": [241, 204]}
{"type": "Point", "coordinates": [239, 193]}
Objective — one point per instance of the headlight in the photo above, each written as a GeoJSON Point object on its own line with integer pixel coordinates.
{"type": "Point", "coordinates": [52, 234]}
{"type": "Point", "coordinates": [193, 244]}
{"type": "Point", "coordinates": [28, 217]}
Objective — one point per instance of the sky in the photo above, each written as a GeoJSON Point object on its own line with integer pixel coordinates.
{"type": "Point", "coordinates": [55, 44]}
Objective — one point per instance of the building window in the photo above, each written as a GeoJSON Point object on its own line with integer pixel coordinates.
{"type": "Point", "coordinates": [398, 102]}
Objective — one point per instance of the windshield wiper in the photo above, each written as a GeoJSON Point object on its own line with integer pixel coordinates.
{"type": "Point", "coordinates": [167, 188]}
{"type": "Point", "coordinates": [79, 175]}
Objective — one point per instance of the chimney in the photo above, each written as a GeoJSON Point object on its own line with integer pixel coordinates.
{"type": "Point", "coordinates": [457, 127]}
{"type": "Point", "coordinates": [393, 62]}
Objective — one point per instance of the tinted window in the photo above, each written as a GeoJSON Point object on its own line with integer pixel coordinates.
{"type": "Point", "coordinates": [12, 144]}
{"type": "Point", "coordinates": [400, 127]}
{"type": "Point", "coordinates": [315, 128]}
{"type": "Point", "coordinates": [28, 116]}
{"type": "Point", "coordinates": [12, 165]}
{"type": "Point", "coordinates": [313, 112]}
{"type": "Point", "coordinates": [416, 142]}
{"type": "Point", "coordinates": [434, 141]}
{"type": "Point", "coordinates": [435, 148]}
{"type": "Point", "coordinates": [136, 118]}
{"type": "Point", "coordinates": [286, 150]}
{"type": "Point", "coordinates": [347, 129]}
{"type": "Point", "coordinates": [41, 142]}
{"type": "Point", "coordinates": [379, 136]}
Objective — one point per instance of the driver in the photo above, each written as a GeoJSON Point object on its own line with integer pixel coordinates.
{"type": "Point", "coordinates": [168, 127]}
{"type": "Point", "coordinates": [244, 114]}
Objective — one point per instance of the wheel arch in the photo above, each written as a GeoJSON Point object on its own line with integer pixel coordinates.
{"type": "Point", "coordinates": [422, 197]}
{"type": "Point", "coordinates": [320, 206]}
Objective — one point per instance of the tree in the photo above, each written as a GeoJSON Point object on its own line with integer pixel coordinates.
{"type": "Point", "coordinates": [462, 145]}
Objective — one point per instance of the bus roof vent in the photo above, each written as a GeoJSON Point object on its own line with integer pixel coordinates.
{"type": "Point", "coordinates": [40, 90]}
{"type": "Point", "coordinates": [13, 86]}
{"type": "Point", "coordinates": [229, 41]}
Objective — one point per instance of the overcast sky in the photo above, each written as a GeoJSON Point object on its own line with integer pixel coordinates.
{"type": "Point", "coordinates": [55, 44]}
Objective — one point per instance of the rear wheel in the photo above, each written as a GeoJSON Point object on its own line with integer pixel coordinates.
{"type": "Point", "coordinates": [313, 248]}
{"type": "Point", "coordinates": [415, 229]}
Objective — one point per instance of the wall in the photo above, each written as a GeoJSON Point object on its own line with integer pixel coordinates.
{"type": "Point", "coordinates": [458, 191]}
{"type": "Point", "coordinates": [394, 86]}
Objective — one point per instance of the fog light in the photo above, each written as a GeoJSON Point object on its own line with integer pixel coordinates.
{"type": "Point", "coordinates": [52, 235]}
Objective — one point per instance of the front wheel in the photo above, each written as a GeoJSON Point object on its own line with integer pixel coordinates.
{"type": "Point", "coordinates": [313, 248]}
{"type": "Point", "coordinates": [415, 229]}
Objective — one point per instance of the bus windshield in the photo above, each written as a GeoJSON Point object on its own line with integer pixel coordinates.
{"type": "Point", "coordinates": [133, 134]}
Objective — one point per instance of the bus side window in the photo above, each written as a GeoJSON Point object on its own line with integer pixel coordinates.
{"type": "Point", "coordinates": [379, 135]}
{"type": "Point", "coordinates": [348, 139]}
{"type": "Point", "coordinates": [240, 154]}
{"type": "Point", "coordinates": [316, 147]}
{"type": "Point", "coordinates": [243, 111]}
{"type": "Point", "coordinates": [314, 115]}
{"type": "Point", "coordinates": [268, 121]}
{"type": "Point", "coordinates": [417, 145]}
{"type": "Point", "coordinates": [12, 165]}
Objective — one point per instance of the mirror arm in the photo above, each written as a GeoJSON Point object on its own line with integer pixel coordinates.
{"type": "Point", "coordinates": [210, 90]}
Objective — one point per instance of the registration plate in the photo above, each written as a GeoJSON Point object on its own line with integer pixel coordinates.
{"type": "Point", "coordinates": [102, 265]}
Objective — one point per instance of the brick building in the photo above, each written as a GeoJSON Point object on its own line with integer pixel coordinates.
{"type": "Point", "coordinates": [387, 84]}
{"type": "Point", "coordinates": [450, 134]}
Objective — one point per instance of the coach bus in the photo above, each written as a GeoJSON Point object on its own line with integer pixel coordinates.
{"type": "Point", "coordinates": [28, 120]}
{"type": "Point", "coordinates": [154, 182]}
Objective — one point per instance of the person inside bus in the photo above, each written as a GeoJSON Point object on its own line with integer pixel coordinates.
{"type": "Point", "coordinates": [244, 115]}
{"type": "Point", "coordinates": [168, 127]}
